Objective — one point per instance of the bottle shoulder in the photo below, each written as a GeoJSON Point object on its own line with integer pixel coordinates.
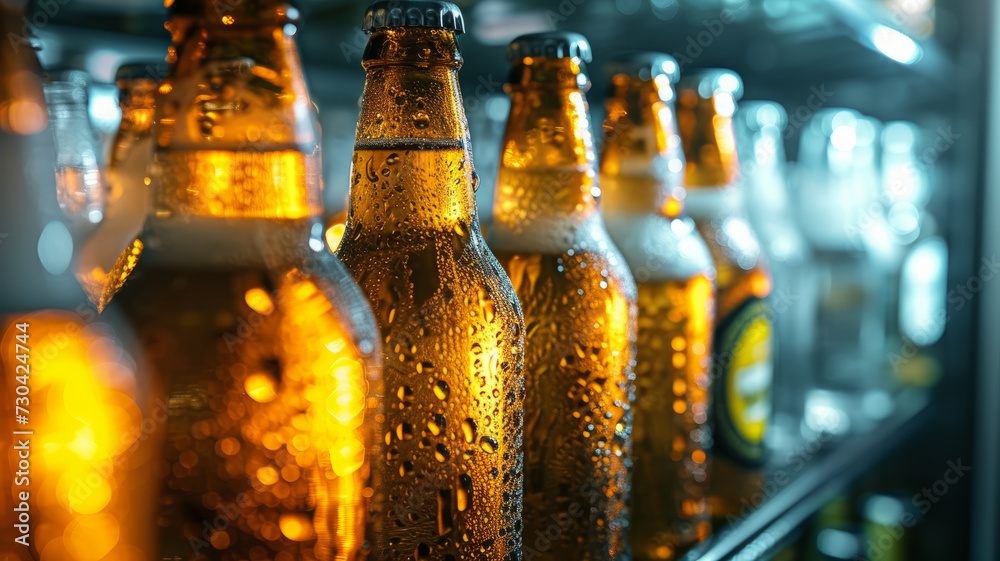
{"type": "Point", "coordinates": [426, 264]}
{"type": "Point", "coordinates": [228, 253]}
{"type": "Point", "coordinates": [659, 248]}
{"type": "Point", "coordinates": [586, 240]}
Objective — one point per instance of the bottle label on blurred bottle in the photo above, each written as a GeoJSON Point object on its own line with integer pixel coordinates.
{"type": "Point", "coordinates": [742, 385]}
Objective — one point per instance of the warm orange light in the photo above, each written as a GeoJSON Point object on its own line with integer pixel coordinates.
{"type": "Point", "coordinates": [85, 472]}
{"type": "Point", "coordinates": [673, 207]}
{"type": "Point", "coordinates": [259, 300]}
{"type": "Point", "coordinates": [23, 116]}
{"type": "Point", "coordinates": [260, 387]}
{"type": "Point", "coordinates": [334, 423]}
{"type": "Point", "coordinates": [296, 527]}
{"type": "Point", "coordinates": [228, 19]}
{"type": "Point", "coordinates": [760, 284]}
{"type": "Point", "coordinates": [333, 236]}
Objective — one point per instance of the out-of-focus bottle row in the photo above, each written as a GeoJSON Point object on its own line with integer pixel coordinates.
{"type": "Point", "coordinates": [198, 365]}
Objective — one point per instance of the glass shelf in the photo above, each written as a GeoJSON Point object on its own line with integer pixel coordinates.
{"type": "Point", "coordinates": [803, 485]}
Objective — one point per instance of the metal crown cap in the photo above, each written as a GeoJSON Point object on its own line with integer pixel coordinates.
{"type": "Point", "coordinates": [413, 13]}
{"type": "Point", "coordinates": [644, 64]}
{"type": "Point", "coordinates": [710, 80]}
{"type": "Point", "coordinates": [550, 44]}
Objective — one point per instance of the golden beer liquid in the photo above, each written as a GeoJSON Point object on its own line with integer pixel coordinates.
{"type": "Point", "coordinates": [578, 300]}
{"type": "Point", "coordinates": [261, 346]}
{"type": "Point", "coordinates": [641, 173]}
{"type": "Point", "coordinates": [450, 322]}
{"type": "Point", "coordinates": [265, 441]}
{"type": "Point", "coordinates": [743, 282]}
{"type": "Point", "coordinates": [670, 472]}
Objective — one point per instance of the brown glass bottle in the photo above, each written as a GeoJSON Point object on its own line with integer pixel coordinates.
{"type": "Point", "coordinates": [642, 173]}
{"type": "Point", "coordinates": [262, 345]}
{"type": "Point", "coordinates": [578, 300]}
{"type": "Point", "coordinates": [742, 345]}
{"type": "Point", "coordinates": [450, 321]}
{"type": "Point", "coordinates": [76, 465]}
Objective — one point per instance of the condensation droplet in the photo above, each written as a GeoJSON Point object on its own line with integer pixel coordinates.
{"type": "Point", "coordinates": [441, 389]}
{"type": "Point", "coordinates": [469, 430]}
{"type": "Point", "coordinates": [488, 444]}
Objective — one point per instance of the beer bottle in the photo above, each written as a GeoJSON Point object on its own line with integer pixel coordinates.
{"type": "Point", "coordinates": [741, 348]}
{"type": "Point", "coordinates": [75, 467]}
{"type": "Point", "coordinates": [263, 346]}
{"type": "Point", "coordinates": [128, 194]}
{"type": "Point", "coordinates": [449, 318]}
{"type": "Point", "coordinates": [759, 129]}
{"type": "Point", "coordinates": [578, 300]}
{"type": "Point", "coordinates": [642, 173]}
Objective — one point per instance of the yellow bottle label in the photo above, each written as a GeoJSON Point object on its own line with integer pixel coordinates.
{"type": "Point", "coordinates": [744, 372]}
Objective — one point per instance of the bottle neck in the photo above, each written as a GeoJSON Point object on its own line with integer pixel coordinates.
{"type": "Point", "coordinates": [412, 165]}
{"type": "Point", "coordinates": [547, 164]}
{"type": "Point", "coordinates": [235, 130]}
{"type": "Point", "coordinates": [706, 126]}
{"type": "Point", "coordinates": [137, 102]}
{"type": "Point", "coordinates": [642, 167]}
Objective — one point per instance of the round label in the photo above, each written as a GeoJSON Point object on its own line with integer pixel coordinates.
{"type": "Point", "coordinates": [743, 392]}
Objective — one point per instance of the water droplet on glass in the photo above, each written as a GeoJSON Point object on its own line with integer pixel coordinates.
{"type": "Point", "coordinates": [441, 389]}
{"type": "Point", "coordinates": [441, 453]}
{"type": "Point", "coordinates": [469, 430]}
{"type": "Point", "coordinates": [421, 120]}
{"type": "Point", "coordinates": [488, 444]}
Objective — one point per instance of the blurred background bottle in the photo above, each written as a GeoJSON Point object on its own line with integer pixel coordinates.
{"type": "Point", "coordinates": [449, 318]}
{"type": "Point", "coordinates": [742, 345]}
{"type": "Point", "coordinates": [79, 464]}
{"type": "Point", "coordinates": [843, 220]}
{"type": "Point", "coordinates": [642, 174]}
{"type": "Point", "coordinates": [760, 127]}
{"type": "Point", "coordinates": [579, 305]}
{"type": "Point", "coordinates": [260, 342]}
{"type": "Point", "coordinates": [918, 287]}
{"type": "Point", "coordinates": [127, 175]}
{"type": "Point", "coordinates": [80, 187]}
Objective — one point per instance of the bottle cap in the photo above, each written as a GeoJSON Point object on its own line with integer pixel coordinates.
{"type": "Point", "coordinates": [644, 64]}
{"type": "Point", "coordinates": [413, 13]}
{"type": "Point", "coordinates": [550, 44]}
{"type": "Point", "coordinates": [710, 80]}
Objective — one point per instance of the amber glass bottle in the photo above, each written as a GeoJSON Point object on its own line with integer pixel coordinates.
{"type": "Point", "coordinates": [76, 466]}
{"type": "Point", "coordinates": [450, 321]}
{"type": "Point", "coordinates": [742, 346]}
{"type": "Point", "coordinates": [642, 174]}
{"type": "Point", "coordinates": [262, 345]}
{"type": "Point", "coordinates": [578, 300]}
